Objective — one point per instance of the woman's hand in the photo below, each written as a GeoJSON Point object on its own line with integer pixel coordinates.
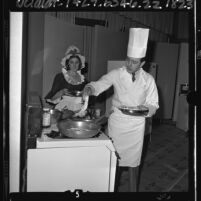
{"type": "Point", "coordinates": [48, 105]}
{"type": "Point", "coordinates": [66, 92]}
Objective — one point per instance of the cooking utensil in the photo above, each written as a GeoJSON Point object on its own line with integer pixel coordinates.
{"type": "Point", "coordinates": [134, 111]}
{"type": "Point", "coordinates": [76, 93]}
{"type": "Point", "coordinates": [101, 120]}
{"type": "Point", "coordinates": [78, 129]}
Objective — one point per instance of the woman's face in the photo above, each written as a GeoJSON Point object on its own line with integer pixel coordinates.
{"type": "Point", "coordinates": [133, 64]}
{"type": "Point", "coordinates": [74, 64]}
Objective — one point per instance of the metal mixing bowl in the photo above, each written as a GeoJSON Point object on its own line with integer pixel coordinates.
{"type": "Point", "coordinates": [78, 129]}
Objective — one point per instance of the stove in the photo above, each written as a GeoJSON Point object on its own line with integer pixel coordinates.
{"type": "Point", "coordinates": [88, 164]}
{"type": "Point", "coordinates": [57, 135]}
{"type": "Point", "coordinates": [51, 137]}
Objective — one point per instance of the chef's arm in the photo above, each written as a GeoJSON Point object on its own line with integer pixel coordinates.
{"type": "Point", "coordinates": [152, 98]}
{"type": "Point", "coordinates": [96, 88]}
{"type": "Point", "coordinates": [152, 110]}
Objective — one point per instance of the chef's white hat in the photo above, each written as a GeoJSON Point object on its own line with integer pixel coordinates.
{"type": "Point", "coordinates": [137, 44]}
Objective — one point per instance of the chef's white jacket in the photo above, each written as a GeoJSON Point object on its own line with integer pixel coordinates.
{"type": "Point", "coordinates": [127, 132]}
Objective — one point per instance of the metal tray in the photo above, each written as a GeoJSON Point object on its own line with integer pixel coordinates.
{"type": "Point", "coordinates": [76, 93]}
{"type": "Point", "coordinates": [134, 111]}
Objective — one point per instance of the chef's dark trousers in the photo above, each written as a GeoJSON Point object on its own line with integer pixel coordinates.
{"type": "Point", "coordinates": [133, 178]}
{"type": "Point", "coordinates": [117, 178]}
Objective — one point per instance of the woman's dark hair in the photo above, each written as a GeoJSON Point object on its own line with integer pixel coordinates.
{"type": "Point", "coordinates": [67, 62]}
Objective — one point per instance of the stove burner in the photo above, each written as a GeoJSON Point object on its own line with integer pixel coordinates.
{"type": "Point", "coordinates": [57, 135]}
{"type": "Point", "coordinates": [53, 134]}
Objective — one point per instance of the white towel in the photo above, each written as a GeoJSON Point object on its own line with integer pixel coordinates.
{"type": "Point", "coordinates": [70, 103]}
{"type": "Point", "coordinates": [82, 112]}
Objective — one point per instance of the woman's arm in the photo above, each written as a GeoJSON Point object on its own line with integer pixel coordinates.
{"type": "Point", "coordinates": [56, 86]}
{"type": "Point", "coordinates": [57, 90]}
{"type": "Point", "coordinates": [58, 95]}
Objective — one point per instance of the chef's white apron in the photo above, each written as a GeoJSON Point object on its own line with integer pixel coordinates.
{"type": "Point", "coordinates": [127, 133]}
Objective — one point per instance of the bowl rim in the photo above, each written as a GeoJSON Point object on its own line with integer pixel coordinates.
{"type": "Point", "coordinates": [133, 108]}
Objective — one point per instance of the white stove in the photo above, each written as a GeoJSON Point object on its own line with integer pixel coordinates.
{"type": "Point", "coordinates": [69, 164]}
{"type": "Point", "coordinates": [100, 140]}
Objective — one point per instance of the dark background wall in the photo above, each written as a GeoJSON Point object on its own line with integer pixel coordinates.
{"type": "Point", "coordinates": [50, 34]}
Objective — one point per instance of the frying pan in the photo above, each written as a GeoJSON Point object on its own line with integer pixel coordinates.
{"type": "Point", "coordinates": [134, 111]}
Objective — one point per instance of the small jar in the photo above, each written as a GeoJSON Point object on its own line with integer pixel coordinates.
{"type": "Point", "coordinates": [46, 122]}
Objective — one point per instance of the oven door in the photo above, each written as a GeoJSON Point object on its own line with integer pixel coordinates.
{"type": "Point", "coordinates": [90, 168]}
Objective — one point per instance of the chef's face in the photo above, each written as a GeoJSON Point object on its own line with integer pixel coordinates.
{"type": "Point", "coordinates": [74, 64]}
{"type": "Point", "coordinates": [133, 64]}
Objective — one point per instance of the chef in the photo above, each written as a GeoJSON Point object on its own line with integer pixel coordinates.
{"type": "Point", "coordinates": [132, 87]}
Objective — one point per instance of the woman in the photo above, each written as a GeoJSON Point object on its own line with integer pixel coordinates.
{"type": "Point", "coordinates": [68, 81]}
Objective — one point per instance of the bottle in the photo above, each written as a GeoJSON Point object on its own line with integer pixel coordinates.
{"type": "Point", "coordinates": [46, 121]}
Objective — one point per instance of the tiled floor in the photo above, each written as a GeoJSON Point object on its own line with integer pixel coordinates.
{"type": "Point", "coordinates": [164, 166]}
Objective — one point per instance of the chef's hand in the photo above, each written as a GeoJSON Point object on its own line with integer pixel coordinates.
{"type": "Point", "coordinates": [88, 91]}
{"type": "Point", "coordinates": [152, 110]}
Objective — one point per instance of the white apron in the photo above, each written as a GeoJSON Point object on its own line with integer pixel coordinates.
{"type": "Point", "coordinates": [127, 132]}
